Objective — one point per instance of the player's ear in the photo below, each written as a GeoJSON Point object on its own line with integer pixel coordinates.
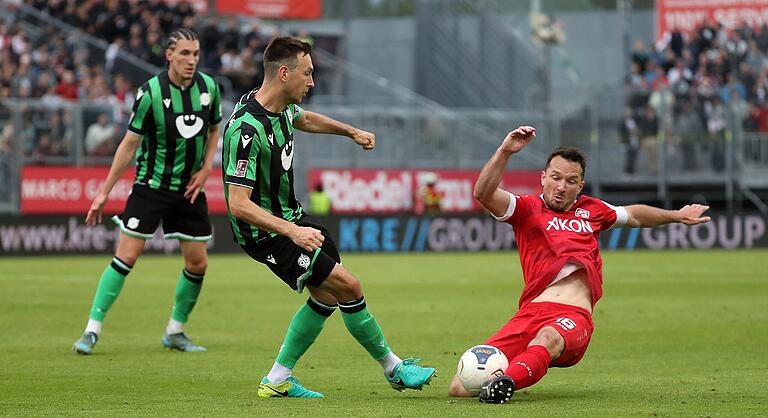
{"type": "Point", "coordinates": [282, 72]}
{"type": "Point", "coordinates": [543, 176]}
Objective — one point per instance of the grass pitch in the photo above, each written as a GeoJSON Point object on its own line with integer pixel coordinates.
{"type": "Point", "coordinates": [677, 334]}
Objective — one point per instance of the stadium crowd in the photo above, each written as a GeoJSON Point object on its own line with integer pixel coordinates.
{"type": "Point", "coordinates": [692, 86]}
{"type": "Point", "coordinates": [43, 62]}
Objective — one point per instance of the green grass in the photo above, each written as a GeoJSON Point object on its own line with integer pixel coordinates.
{"type": "Point", "coordinates": [677, 334]}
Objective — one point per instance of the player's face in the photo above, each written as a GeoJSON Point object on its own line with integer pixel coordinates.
{"type": "Point", "coordinates": [184, 58]}
{"type": "Point", "coordinates": [562, 181]}
{"type": "Point", "coordinates": [299, 78]}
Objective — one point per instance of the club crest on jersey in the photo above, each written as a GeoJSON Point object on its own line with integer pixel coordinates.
{"type": "Point", "coordinates": [580, 226]}
{"type": "Point", "coordinates": [304, 261]}
{"type": "Point", "coordinates": [286, 155]}
{"type": "Point", "coordinates": [189, 125]}
{"type": "Point", "coordinates": [205, 99]}
{"type": "Point", "coordinates": [582, 213]}
{"type": "Point", "coordinates": [241, 168]}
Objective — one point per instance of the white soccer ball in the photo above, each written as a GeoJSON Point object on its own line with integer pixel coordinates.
{"type": "Point", "coordinates": [477, 364]}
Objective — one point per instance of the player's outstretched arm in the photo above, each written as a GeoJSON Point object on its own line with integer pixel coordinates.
{"type": "Point", "coordinates": [123, 157]}
{"type": "Point", "coordinates": [241, 207]}
{"type": "Point", "coordinates": [641, 216]}
{"type": "Point", "coordinates": [487, 190]}
{"type": "Point", "coordinates": [320, 124]}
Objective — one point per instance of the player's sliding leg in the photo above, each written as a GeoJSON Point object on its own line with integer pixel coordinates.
{"type": "Point", "coordinates": [305, 326]}
{"type": "Point", "coordinates": [110, 284]}
{"type": "Point", "coordinates": [401, 374]}
{"type": "Point", "coordinates": [187, 291]}
{"type": "Point", "coordinates": [526, 368]}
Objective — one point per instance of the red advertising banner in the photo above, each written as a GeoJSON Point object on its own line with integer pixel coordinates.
{"type": "Point", "coordinates": [70, 190]}
{"type": "Point", "coordinates": [687, 15]}
{"type": "Point", "coordinates": [354, 191]}
{"type": "Point", "coordinates": [272, 9]}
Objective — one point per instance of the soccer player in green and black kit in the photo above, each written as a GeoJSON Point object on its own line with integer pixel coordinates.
{"type": "Point", "coordinates": [173, 133]}
{"type": "Point", "coordinates": [271, 226]}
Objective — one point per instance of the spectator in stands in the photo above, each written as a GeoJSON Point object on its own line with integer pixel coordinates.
{"type": "Point", "coordinates": [67, 88]}
{"type": "Point", "coordinates": [630, 136]}
{"type": "Point", "coordinates": [100, 137]}
{"type": "Point", "coordinates": [649, 129]}
{"type": "Point", "coordinates": [690, 130]}
{"type": "Point", "coordinates": [428, 198]}
{"type": "Point", "coordinates": [319, 201]}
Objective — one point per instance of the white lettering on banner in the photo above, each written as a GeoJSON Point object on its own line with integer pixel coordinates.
{"type": "Point", "coordinates": [120, 191]}
{"type": "Point", "coordinates": [51, 189]}
{"type": "Point", "coordinates": [457, 194]}
{"type": "Point", "coordinates": [580, 226]}
{"type": "Point", "coordinates": [378, 194]}
{"type": "Point", "coordinates": [730, 233]}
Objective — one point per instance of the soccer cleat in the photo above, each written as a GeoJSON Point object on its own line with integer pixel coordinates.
{"type": "Point", "coordinates": [407, 375]}
{"type": "Point", "coordinates": [86, 343]}
{"type": "Point", "coordinates": [498, 389]}
{"type": "Point", "coordinates": [181, 342]}
{"type": "Point", "coordinates": [288, 389]}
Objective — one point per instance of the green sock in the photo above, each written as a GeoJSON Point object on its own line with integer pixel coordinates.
{"type": "Point", "coordinates": [110, 284]}
{"type": "Point", "coordinates": [363, 326]}
{"type": "Point", "coordinates": [303, 331]}
{"type": "Point", "coordinates": [187, 290]}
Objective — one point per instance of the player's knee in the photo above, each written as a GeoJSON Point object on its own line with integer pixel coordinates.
{"type": "Point", "coordinates": [551, 339]}
{"type": "Point", "coordinates": [196, 266]}
{"type": "Point", "coordinates": [345, 285]}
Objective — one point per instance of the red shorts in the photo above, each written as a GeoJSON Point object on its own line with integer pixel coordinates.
{"type": "Point", "coordinates": [573, 323]}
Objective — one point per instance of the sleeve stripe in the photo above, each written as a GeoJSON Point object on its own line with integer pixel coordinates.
{"type": "Point", "coordinates": [510, 209]}
{"type": "Point", "coordinates": [240, 181]}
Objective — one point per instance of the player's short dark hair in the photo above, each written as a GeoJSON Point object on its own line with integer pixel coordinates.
{"type": "Point", "coordinates": [283, 51]}
{"type": "Point", "coordinates": [569, 154]}
{"type": "Point", "coordinates": [179, 34]}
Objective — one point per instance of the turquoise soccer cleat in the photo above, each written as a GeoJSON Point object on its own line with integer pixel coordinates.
{"type": "Point", "coordinates": [86, 343]}
{"type": "Point", "coordinates": [182, 343]}
{"type": "Point", "coordinates": [407, 375]}
{"type": "Point", "coordinates": [288, 389]}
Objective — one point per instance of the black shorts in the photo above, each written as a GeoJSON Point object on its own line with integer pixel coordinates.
{"type": "Point", "coordinates": [181, 219]}
{"type": "Point", "coordinates": [296, 266]}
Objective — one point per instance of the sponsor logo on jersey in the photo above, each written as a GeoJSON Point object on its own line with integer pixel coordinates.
{"type": "Point", "coordinates": [582, 213]}
{"type": "Point", "coordinates": [188, 125]}
{"type": "Point", "coordinates": [271, 259]}
{"type": "Point", "coordinates": [286, 156]}
{"type": "Point", "coordinates": [580, 226]}
{"type": "Point", "coordinates": [303, 261]}
{"type": "Point", "coordinates": [205, 99]}
{"type": "Point", "coordinates": [271, 139]}
{"type": "Point", "coordinates": [167, 102]}
{"type": "Point", "coordinates": [241, 168]}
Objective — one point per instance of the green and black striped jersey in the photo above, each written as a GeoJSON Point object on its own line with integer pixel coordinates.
{"type": "Point", "coordinates": [174, 123]}
{"type": "Point", "coordinates": [258, 154]}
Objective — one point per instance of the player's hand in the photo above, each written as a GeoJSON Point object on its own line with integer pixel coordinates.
{"type": "Point", "coordinates": [196, 184]}
{"type": "Point", "coordinates": [516, 140]}
{"type": "Point", "coordinates": [94, 213]}
{"type": "Point", "coordinates": [365, 139]}
{"type": "Point", "coordinates": [307, 238]}
{"type": "Point", "coordinates": [691, 214]}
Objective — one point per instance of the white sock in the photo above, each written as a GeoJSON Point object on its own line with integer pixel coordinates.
{"type": "Point", "coordinates": [278, 374]}
{"type": "Point", "coordinates": [93, 326]}
{"type": "Point", "coordinates": [174, 327]}
{"type": "Point", "coordinates": [389, 362]}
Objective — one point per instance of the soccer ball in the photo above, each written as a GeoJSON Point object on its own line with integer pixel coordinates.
{"type": "Point", "coordinates": [477, 364]}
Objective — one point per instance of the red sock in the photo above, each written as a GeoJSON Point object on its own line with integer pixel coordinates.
{"type": "Point", "coordinates": [529, 366]}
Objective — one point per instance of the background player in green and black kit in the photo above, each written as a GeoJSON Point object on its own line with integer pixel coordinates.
{"type": "Point", "coordinates": [173, 132]}
{"type": "Point", "coordinates": [271, 226]}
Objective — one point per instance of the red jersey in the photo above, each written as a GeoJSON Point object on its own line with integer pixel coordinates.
{"type": "Point", "coordinates": [548, 239]}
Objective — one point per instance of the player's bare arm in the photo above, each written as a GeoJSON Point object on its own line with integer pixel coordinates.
{"type": "Point", "coordinates": [243, 208]}
{"type": "Point", "coordinates": [320, 124]}
{"type": "Point", "coordinates": [123, 157]}
{"type": "Point", "coordinates": [642, 216]}
{"type": "Point", "coordinates": [487, 190]}
{"type": "Point", "coordinates": [199, 177]}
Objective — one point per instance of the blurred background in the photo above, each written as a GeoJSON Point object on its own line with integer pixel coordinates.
{"type": "Point", "coordinates": [668, 98]}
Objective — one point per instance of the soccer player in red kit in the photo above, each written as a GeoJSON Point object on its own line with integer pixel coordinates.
{"type": "Point", "coordinates": [556, 234]}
